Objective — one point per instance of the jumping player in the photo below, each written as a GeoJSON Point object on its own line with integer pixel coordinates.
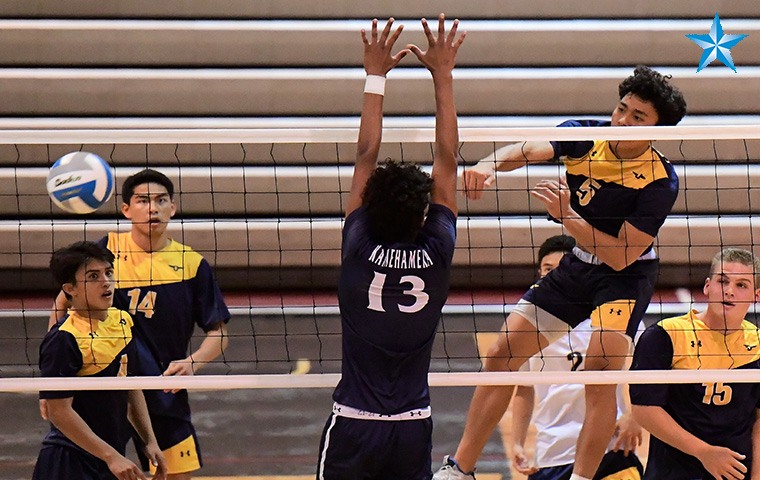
{"type": "Point", "coordinates": [398, 243]}
{"type": "Point", "coordinates": [169, 289]}
{"type": "Point", "coordinates": [89, 429]}
{"type": "Point", "coordinates": [560, 408]}
{"type": "Point", "coordinates": [707, 430]}
{"type": "Point", "coordinates": [615, 199]}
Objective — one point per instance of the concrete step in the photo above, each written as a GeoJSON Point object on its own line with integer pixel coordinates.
{"type": "Point", "coordinates": [336, 43]}
{"type": "Point", "coordinates": [337, 91]}
{"type": "Point", "coordinates": [276, 9]}
{"type": "Point", "coordinates": [322, 191]}
{"type": "Point", "coordinates": [315, 243]}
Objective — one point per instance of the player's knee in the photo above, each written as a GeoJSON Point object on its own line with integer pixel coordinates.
{"type": "Point", "coordinates": [500, 357]}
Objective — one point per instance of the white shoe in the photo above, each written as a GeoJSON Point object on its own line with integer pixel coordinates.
{"type": "Point", "coordinates": [451, 471]}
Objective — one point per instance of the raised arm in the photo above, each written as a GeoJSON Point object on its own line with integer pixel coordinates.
{"type": "Point", "coordinates": [440, 58]}
{"type": "Point", "coordinates": [378, 61]}
{"type": "Point", "coordinates": [511, 157]}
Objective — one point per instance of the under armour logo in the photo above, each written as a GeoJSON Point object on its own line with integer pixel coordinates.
{"type": "Point", "coordinates": [176, 268]}
{"type": "Point", "coordinates": [749, 347]}
{"type": "Point", "coordinates": [122, 321]}
{"type": "Point", "coordinates": [639, 176]}
{"type": "Point", "coordinates": [617, 312]}
{"type": "Point", "coordinates": [185, 453]}
{"type": "Point", "coordinates": [593, 154]}
{"type": "Point", "coordinates": [697, 343]}
{"type": "Point", "coordinates": [413, 413]}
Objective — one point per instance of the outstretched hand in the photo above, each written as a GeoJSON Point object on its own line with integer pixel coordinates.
{"type": "Point", "coordinates": [442, 49]}
{"type": "Point", "coordinates": [377, 49]}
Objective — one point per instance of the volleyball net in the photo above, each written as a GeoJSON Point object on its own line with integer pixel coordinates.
{"type": "Point", "coordinates": [264, 207]}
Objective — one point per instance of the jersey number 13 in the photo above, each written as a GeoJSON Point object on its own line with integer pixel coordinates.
{"type": "Point", "coordinates": [417, 290]}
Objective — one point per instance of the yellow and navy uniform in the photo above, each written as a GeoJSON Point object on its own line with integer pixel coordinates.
{"type": "Point", "coordinates": [721, 414]}
{"type": "Point", "coordinates": [72, 348]}
{"type": "Point", "coordinates": [606, 192]}
{"type": "Point", "coordinates": [168, 292]}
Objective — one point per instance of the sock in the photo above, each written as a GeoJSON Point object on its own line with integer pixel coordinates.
{"type": "Point", "coordinates": [575, 476]}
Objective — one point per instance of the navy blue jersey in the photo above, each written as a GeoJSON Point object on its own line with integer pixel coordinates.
{"type": "Point", "coordinates": [73, 349]}
{"type": "Point", "coordinates": [390, 299]}
{"type": "Point", "coordinates": [168, 292]}
{"type": "Point", "coordinates": [721, 414]}
{"type": "Point", "coordinates": [608, 191]}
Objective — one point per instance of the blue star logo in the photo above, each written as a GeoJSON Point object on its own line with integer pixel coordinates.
{"type": "Point", "coordinates": [716, 45]}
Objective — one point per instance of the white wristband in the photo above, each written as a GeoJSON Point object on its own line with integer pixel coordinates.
{"type": "Point", "coordinates": [375, 84]}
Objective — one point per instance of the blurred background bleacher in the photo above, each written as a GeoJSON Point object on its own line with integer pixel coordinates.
{"type": "Point", "coordinates": [273, 64]}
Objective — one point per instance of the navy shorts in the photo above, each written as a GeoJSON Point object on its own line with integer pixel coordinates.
{"type": "Point", "coordinates": [575, 291]}
{"type": "Point", "coordinates": [614, 466]}
{"type": "Point", "coordinates": [56, 462]}
{"type": "Point", "coordinates": [560, 472]}
{"type": "Point", "coordinates": [177, 439]}
{"type": "Point", "coordinates": [353, 449]}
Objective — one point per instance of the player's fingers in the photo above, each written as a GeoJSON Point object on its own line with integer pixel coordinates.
{"type": "Point", "coordinates": [415, 50]}
{"type": "Point", "coordinates": [374, 30]}
{"type": "Point", "coordinates": [441, 27]}
{"type": "Point", "coordinates": [394, 36]}
{"type": "Point", "coordinates": [364, 38]}
{"type": "Point", "coordinates": [428, 33]}
{"type": "Point", "coordinates": [459, 41]}
{"type": "Point", "coordinates": [452, 33]}
{"type": "Point", "coordinates": [386, 31]}
{"type": "Point", "coordinates": [488, 181]}
{"type": "Point", "coordinates": [400, 55]}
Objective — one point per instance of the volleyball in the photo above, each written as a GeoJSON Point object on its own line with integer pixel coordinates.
{"type": "Point", "coordinates": [80, 182]}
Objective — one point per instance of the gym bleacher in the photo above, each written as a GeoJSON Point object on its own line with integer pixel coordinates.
{"type": "Point", "coordinates": [289, 64]}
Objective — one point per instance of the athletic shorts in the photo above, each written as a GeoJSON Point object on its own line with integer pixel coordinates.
{"type": "Point", "coordinates": [618, 466]}
{"type": "Point", "coordinates": [559, 472]}
{"type": "Point", "coordinates": [177, 440]}
{"type": "Point", "coordinates": [56, 462]}
{"type": "Point", "coordinates": [375, 449]}
{"type": "Point", "coordinates": [576, 290]}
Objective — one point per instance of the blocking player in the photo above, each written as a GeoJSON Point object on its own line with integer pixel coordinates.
{"type": "Point", "coordinates": [89, 429]}
{"type": "Point", "coordinates": [708, 430]}
{"type": "Point", "coordinates": [169, 289]}
{"type": "Point", "coordinates": [559, 411]}
{"type": "Point", "coordinates": [614, 200]}
{"type": "Point", "coordinates": [398, 243]}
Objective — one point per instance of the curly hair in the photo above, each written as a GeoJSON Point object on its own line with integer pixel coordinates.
{"type": "Point", "coordinates": [396, 196]}
{"type": "Point", "coordinates": [651, 86]}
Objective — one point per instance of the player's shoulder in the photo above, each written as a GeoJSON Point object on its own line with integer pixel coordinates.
{"type": "Point", "coordinates": [678, 323]}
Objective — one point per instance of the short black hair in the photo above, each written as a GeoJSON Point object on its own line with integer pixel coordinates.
{"type": "Point", "coordinates": [396, 196]}
{"type": "Point", "coordinates": [557, 243]}
{"type": "Point", "coordinates": [145, 176]}
{"type": "Point", "coordinates": [651, 86]}
{"type": "Point", "coordinates": [65, 262]}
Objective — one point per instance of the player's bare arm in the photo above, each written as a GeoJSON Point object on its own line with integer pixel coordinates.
{"type": "Point", "coordinates": [439, 59]}
{"type": "Point", "coordinates": [721, 462]}
{"type": "Point", "coordinates": [213, 345]}
{"type": "Point", "coordinates": [617, 252]}
{"type": "Point", "coordinates": [62, 414]}
{"type": "Point", "coordinates": [480, 176]}
{"type": "Point", "coordinates": [137, 412]}
{"type": "Point", "coordinates": [522, 412]}
{"type": "Point", "coordinates": [378, 61]}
